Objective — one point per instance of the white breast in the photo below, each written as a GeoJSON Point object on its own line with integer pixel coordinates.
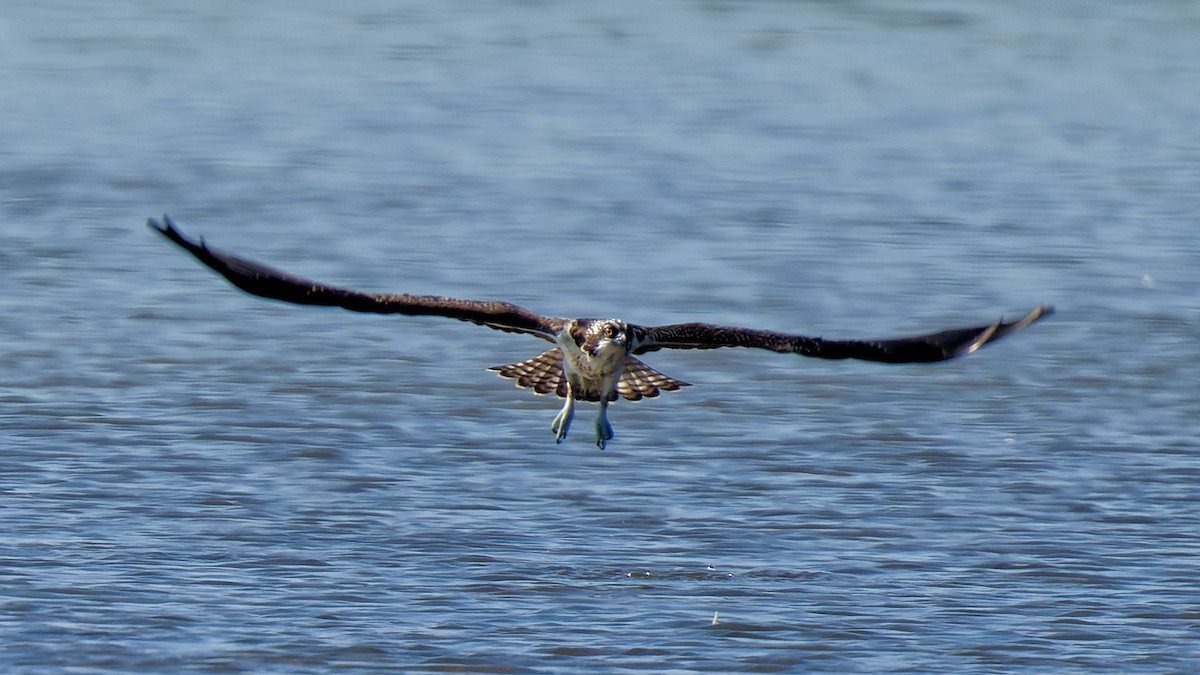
{"type": "Point", "coordinates": [588, 374]}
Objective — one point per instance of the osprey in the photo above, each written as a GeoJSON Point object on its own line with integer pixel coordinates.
{"type": "Point", "coordinates": [592, 359]}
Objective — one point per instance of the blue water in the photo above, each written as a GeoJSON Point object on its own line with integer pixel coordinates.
{"type": "Point", "coordinates": [194, 480]}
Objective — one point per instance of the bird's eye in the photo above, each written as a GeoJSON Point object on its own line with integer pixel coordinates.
{"type": "Point", "coordinates": [609, 331]}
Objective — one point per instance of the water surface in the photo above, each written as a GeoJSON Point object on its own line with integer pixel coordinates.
{"type": "Point", "coordinates": [196, 480]}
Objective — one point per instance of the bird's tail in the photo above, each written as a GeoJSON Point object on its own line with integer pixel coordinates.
{"type": "Point", "coordinates": [543, 373]}
{"type": "Point", "coordinates": [640, 380]}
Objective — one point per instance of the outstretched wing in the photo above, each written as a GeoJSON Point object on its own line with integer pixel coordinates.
{"type": "Point", "coordinates": [259, 279]}
{"type": "Point", "coordinates": [939, 346]}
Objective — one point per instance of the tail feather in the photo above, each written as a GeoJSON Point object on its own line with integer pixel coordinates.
{"type": "Point", "coordinates": [640, 380]}
{"type": "Point", "coordinates": [543, 373]}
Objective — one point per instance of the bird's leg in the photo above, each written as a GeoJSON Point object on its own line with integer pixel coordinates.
{"type": "Point", "coordinates": [562, 421]}
{"type": "Point", "coordinates": [604, 430]}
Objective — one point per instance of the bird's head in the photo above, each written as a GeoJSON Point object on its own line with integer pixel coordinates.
{"type": "Point", "coordinates": [608, 336]}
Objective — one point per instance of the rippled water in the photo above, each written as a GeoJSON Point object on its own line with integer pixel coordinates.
{"type": "Point", "coordinates": [193, 479]}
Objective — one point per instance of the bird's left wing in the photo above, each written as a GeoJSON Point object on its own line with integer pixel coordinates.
{"type": "Point", "coordinates": [259, 279]}
{"type": "Point", "coordinates": [926, 348]}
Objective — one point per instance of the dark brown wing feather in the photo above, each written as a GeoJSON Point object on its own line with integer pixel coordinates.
{"type": "Point", "coordinates": [259, 279]}
{"type": "Point", "coordinates": [914, 349]}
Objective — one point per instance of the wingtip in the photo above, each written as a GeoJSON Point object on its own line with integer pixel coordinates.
{"type": "Point", "coordinates": [983, 338]}
{"type": "Point", "coordinates": [1036, 313]}
{"type": "Point", "coordinates": [1000, 328]}
{"type": "Point", "coordinates": [168, 229]}
{"type": "Point", "coordinates": [166, 226]}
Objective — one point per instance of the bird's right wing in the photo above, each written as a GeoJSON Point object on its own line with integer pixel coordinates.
{"type": "Point", "coordinates": [264, 281]}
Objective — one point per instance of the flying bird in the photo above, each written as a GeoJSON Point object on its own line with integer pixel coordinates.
{"type": "Point", "coordinates": [592, 359]}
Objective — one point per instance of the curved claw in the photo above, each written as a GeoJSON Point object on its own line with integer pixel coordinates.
{"type": "Point", "coordinates": [604, 430]}
{"type": "Point", "coordinates": [562, 421]}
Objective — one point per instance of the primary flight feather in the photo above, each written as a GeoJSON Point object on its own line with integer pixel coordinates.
{"type": "Point", "coordinates": [593, 359]}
